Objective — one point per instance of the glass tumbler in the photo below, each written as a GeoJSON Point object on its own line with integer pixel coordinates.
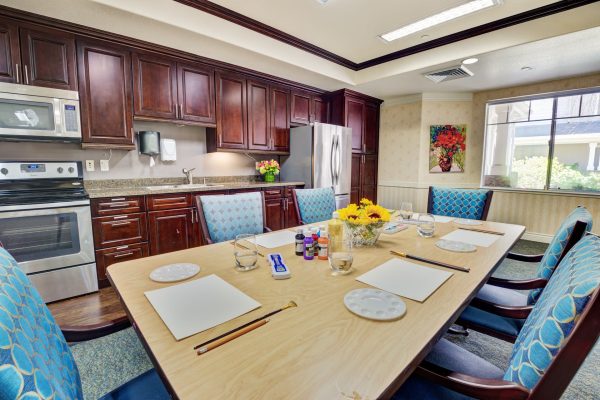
{"type": "Point", "coordinates": [340, 256]}
{"type": "Point", "coordinates": [426, 225]}
{"type": "Point", "coordinates": [406, 210]}
{"type": "Point", "coordinates": [245, 252]}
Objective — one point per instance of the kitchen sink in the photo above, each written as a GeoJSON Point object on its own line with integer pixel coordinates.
{"type": "Point", "coordinates": [185, 187]}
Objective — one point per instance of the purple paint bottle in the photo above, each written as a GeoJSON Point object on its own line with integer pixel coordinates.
{"type": "Point", "coordinates": [309, 250]}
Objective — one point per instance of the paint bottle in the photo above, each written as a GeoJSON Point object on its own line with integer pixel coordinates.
{"type": "Point", "coordinates": [309, 249]}
{"type": "Point", "coordinates": [323, 244]}
{"type": "Point", "coordinates": [299, 242]}
{"type": "Point", "coordinates": [315, 236]}
{"type": "Point", "coordinates": [335, 231]}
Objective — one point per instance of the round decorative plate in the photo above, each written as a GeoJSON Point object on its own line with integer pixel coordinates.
{"type": "Point", "coordinates": [375, 304]}
{"type": "Point", "coordinates": [463, 221]}
{"type": "Point", "coordinates": [452, 245]}
{"type": "Point", "coordinates": [174, 272]}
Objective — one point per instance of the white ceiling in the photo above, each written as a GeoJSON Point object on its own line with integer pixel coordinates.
{"type": "Point", "coordinates": [553, 45]}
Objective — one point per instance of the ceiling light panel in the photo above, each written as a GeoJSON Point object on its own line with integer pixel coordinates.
{"type": "Point", "coordinates": [440, 18]}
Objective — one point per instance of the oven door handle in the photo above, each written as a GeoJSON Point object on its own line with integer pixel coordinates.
{"type": "Point", "coordinates": [29, 207]}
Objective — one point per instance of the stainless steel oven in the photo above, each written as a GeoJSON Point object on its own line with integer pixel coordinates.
{"type": "Point", "coordinates": [45, 223]}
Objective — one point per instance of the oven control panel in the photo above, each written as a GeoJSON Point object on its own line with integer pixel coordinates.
{"type": "Point", "coordinates": [39, 170]}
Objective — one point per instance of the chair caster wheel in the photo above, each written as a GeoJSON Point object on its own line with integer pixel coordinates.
{"type": "Point", "coordinates": [458, 331]}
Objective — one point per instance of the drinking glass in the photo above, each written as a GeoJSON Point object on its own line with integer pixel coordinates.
{"type": "Point", "coordinates": [426, 225]}
{"type": "Point", "coordinates": [406, 210]}
{"type": "Point", "coordinates": [245, 252]}
{"type": "Point", "coordinates": [340, 256]}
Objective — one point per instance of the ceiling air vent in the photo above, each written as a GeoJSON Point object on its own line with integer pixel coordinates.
{"type": "Point", "coordinates": [449, 74]}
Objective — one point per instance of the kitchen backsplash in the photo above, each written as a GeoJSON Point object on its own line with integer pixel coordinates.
{"type": "Point", "coordinates": [191, 153]}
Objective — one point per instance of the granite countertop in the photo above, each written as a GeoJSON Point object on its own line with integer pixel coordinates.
{"type": "Point", "coordinates": [133, 187]}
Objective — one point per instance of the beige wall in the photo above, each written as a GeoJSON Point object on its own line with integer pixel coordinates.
{"type": "Point", "coordinates": [403, 171]}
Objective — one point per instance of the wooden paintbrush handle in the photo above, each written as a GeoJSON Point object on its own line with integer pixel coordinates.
{"type": "Point", "coordinates": [231, 336]}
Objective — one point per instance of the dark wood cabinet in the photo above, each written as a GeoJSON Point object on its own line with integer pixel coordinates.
{"type": "Point", "coordinates": [371, 132]}
{"type": "Point", "coordinates": [355, 178]}
{"type": "Point", "coordinates": [119, 230]}
{"type": "Point", "coordinates": [280, 119]}
{"type": "Point", "coordinates": [275, 213]}
{"type": "Point", "coordinates": [113, 255]}
{"type": "Point", "coordinates": [280, 211]}
{"type": "Point", "coordinates": [320, 110]}
{"type": "Point", "coordinates": [117, 205]}
{"type": "Point", "coordinates": [364, 177]}
{"type": "Point", "coordinates": [105, 95]}
{"type": "Point", "coordinates": [10, 54]}
{"type": "Point", "coordinates": [355, 117]}
{"type": "Point", "coordinates": [259, 122]}
{"type": "Point", "coordinates": [196, 93]}
{"type": "Point", "coordinates": [154, 86]}
{"type": "Point", "coordinates": [232, 128]}
{"type": "Point", "coordinates": [307, 107]}
{"type": "Point", "coordinates": [171, 230]}
{"type": "Point", "coordinates": [48, 57]}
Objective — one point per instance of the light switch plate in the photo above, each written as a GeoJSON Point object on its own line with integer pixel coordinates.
{"type": "Point", "coordinates": [104, 165]}
{"type": "Point", "coordinates": [90, 165]}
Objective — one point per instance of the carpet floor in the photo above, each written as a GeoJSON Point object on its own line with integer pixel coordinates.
{"type": "Point", "coordinates": [108, 362]}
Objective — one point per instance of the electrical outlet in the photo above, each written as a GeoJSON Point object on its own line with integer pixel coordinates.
{"type": "Point", "coordinates": [104, 165]}
{"type": "Point", "coordinates": [90, 165]}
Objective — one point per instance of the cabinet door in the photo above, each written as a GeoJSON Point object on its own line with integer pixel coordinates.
{"type": "Point", "coordinates": [320, 110]}
{"type": "Point", "coordinates": [196, 93]}
{"type": "Point", "coordinates": [355, 195]}
{"type": "Point", "coordinates": [368, 177]}
{"type": "Point", "coordinates": [231, 111]}
{"type": "Point", "coordinates": [274, 214]}
{"type": "Point", "coordinates": [291, 216]}
{"type": "Point", "coordinates": [119, 230]}
{"type": "Point", "coordinates": [48, 58]}
{"type": "Point", "coordinates": [356, 171]}
{"type": "Point", "coordinates": [371, 137]}
{"type": "Point", "coordinates": [10, 54]}
{"type": "Point", "coordinates": [280, 119]}
{"type": "Point", "coordinates": [171, 230]}
{"type": "Point", "coordinates": [105, 93]}
{"type": "Point", "coordinates": [369, 192]}
{"type": "Point", "coordinates": [300, 108]}
{"type": "Point", "coordinates": [107, 257]}
{"type": "Point", "coordinates": [355, 117]}
{"type": "Point", "coordinates": [154, 86]}
{"type": "Point", "coordinates": [259, 123]}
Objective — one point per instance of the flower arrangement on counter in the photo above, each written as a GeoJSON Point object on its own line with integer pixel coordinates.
{"type": "Point", "coordinates": [364, 221]}
{"type": "Point", "coordinates": [268, 169]}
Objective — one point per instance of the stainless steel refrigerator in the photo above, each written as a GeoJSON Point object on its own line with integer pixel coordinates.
{"type": "Point", "coordinates": [321, 156]}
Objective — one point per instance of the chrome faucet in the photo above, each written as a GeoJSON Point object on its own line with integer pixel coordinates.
{"type": "Point", "coordinates": [188, 175]}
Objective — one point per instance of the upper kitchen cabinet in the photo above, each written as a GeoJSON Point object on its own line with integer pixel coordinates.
{"type": "Point", "coordinates": [165, 89]}
{"type": "Point", "coordinates": [35, 55]}
{"type": "Point", "coordinates": [232, 124]}
{"type": "Point", "coordinates": [196, 93]}
{"type": "Point", "coordinates": [359, 112]}
{"type": "Point", "coordinates": [280, 119]}
{"type": "Point", "coordinates": [308, 107]}
{"type": "Point", "coordinates": [259, 123]}
{"type": "Point", "coordinates": [105, 94]}
{"type": "Point", "coordinates": [154, 86]}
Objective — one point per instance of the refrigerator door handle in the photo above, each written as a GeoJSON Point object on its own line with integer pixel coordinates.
{"type": "Point", "coordinates": [331, 164]}
{"type": "Point", "coordinates": [339, 162]}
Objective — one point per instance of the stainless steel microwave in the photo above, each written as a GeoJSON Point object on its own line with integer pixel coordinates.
{"type": "Point", "coordinates": [39, 114]}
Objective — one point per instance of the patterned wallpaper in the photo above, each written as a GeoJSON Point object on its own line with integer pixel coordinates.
{"type": "Point", "coordinates": [404, 176]}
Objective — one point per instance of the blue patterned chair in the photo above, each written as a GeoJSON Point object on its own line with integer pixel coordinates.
{"type": "Point", "coordinates": [223, 217]}
{"type": "Point", "coordinates": [35, 359]}
{"type": "Point", "coordinates": [561, 330]}
{"type": "Point", "coordinates": [498, 309]}
{"type": "Point", "coordinates": [314, 205]}
{"type": "Point", "coordinates": [459, 203]}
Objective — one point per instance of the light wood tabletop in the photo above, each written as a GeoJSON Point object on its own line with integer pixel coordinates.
{"type": "Point", "coordinates": [318, 350]}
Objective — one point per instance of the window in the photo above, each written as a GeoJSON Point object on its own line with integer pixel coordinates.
{"type": "Point", "coordinates": [546, 142]}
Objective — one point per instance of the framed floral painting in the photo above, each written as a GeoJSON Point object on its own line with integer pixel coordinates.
{"type": "Point", "coordinates": [447, 145]}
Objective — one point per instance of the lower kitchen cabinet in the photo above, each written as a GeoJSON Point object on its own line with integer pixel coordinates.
{"type": "Point", "coordinates": [113, 255]}
{"type": "Point", "coordinates": [119, 230]}
{"type": "Point", "coordinates": [280, 209]}
{"type": "Point", "coordinates": [172, 230]}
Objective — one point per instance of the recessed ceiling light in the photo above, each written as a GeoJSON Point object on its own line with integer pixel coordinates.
{"type": "Point", "coordinates": [436, 19]}
{"type": "Point", "coordinates": [322, 1]}
{"type": "Point", "coordinates": [526, 68]}
{"type": "Point", "coordinates": [472, 60]}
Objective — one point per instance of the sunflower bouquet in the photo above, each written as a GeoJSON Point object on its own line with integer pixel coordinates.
{"type": "Point", "coordinates": [364, 221]}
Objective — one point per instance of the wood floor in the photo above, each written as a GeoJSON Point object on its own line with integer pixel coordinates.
{"type": "Point", "coordinates": [95, 308]}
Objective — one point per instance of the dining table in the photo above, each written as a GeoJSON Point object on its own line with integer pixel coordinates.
{"type": "Point", "coordinates": [319, 349]}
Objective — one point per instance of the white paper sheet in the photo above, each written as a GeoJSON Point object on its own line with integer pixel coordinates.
{"type": "Point", "coordinates": [276, 239]}
{"type": "Point", "coordinates": [405, 279]}
{"type": "Point", "coordinates": [476, 238]}
{"type": "Point", "coordinates": [192, 307]}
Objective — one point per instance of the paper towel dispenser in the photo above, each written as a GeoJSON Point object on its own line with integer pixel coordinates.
{"type": "Point", "coordinates": [149, 143]}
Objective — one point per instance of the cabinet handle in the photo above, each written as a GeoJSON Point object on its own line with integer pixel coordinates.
{"type": "Point", "coordinates": [121, 217]}
{"type": "Point", "coordinates": [364, 146]}
{"type": "Point", "coordinates": [17, 73]}
{"type": "Point", "coordinates": [181, 111]}
{"type": "Point", "coordinates": [26, 75]}
{"type": "Point", "coordinates": [129, 253]}
{"type": "Point", "coordinates": [178, 232]}
{"type": "Point", "coordinates": [120, 223]}
{"type": "Point", "coordinates": [122, 204]}
{"type": "Point", "coordinates": [118, 199]}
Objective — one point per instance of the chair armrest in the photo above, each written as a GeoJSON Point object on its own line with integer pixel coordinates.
{"type": "Point", "coordinates": [88, 332]}
{"type": "Point", "coordinates": [480, 388]}
{"type": "Point", "coordinates": [501, 310]}
{"type": "Point", "coordinates": [266, 229]}
{"type": "Point", "coordinates": [521, 284]}
{"type": "Point", "coordinates": [525, 257]}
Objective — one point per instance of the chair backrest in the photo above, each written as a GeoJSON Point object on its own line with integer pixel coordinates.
{"type": "Point", "coordinates": [570, 231]}
{"type": "Point", "coordinates": [34, 356]}
{"type": "Point", "coordinates": [314, 205]}
{"type": "Point", "coordinates": [460, 203]}
{"type": "Point", "coordinates": [563, 325]}
{"type": "Point", "coordinates": [224, 217]}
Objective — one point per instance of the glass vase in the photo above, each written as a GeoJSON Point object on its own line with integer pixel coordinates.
{"type": "Point", "coordinates": [269, 177]}
{"type": "Point", "coordinates": [363, 235]}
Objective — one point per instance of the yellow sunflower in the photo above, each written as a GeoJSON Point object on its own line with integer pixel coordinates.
{"type": "Point", "coordinates": [377, 213]}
